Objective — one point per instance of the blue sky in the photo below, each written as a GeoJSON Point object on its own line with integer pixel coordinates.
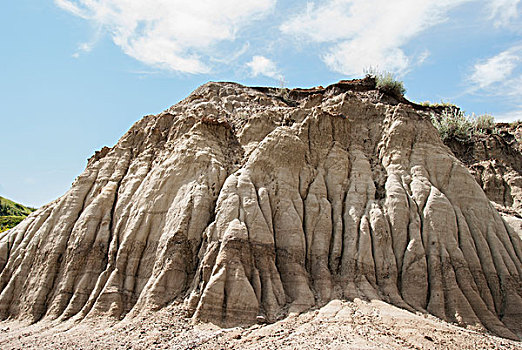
{"type": "Point", "coordinates": [76, 74]}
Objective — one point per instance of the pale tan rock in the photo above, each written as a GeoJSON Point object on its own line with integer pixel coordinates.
{"type": "Point", "coordinates": [246, 205]}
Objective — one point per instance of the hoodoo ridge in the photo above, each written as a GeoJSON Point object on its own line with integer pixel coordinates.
{"type": "Point", "coordinates": [248, 204]}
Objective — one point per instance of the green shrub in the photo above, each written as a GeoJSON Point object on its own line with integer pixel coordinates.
{"type": "Point", "coordinates": [386, 82]}
{"type": "Point", "coordinates": [484, 122]}
{"type": "Point", "coordinates": [442, 103]}
{"type": "Point", "coordinates": [454, 124]}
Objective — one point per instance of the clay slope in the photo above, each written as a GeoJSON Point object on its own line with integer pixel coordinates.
{"type": "Point", "coordinates": [248, 204]}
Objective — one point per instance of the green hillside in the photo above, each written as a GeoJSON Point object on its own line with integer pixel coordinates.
{"type": "Point", "coordinates": [12, 213]}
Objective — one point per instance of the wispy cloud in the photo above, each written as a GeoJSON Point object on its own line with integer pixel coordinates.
{"type": "Point", "coordinates": [185, 36]}
{"type": "Point", "coordinates": [261, 65]}
{"type": "Point", "coordinates": [71, 7]}
{"type": "Point", "coordinates": [176, 35]}
{"type": "Point", "coordinates": [364, 33]}
{"type": "Point", "coordinates": [503, 12]}
{"type": "Point", "coordinates": [496, 69]}
{"type": "Point", "coordinates": [500, 76]}
{"type": "Point", "coordinates": [88, 46]}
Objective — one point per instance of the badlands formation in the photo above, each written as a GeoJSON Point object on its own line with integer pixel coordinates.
{"type": "Point", "coordinates": [246, 206]}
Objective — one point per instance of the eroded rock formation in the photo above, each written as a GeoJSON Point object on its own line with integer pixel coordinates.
{"type": "Point", "coordinates": [495, 159]}
{"type": "Point", "coordinates": [248, 204]}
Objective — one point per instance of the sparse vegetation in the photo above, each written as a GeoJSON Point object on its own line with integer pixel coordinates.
{"type": "Point", "coordinates": [283, 93]}
{"type": "Point", "coordinates": [10, 208]}
{"type": "Point", "coordinates": [8, 222]}
{"type": "Point", "coordinates": [11, 213]}
{"type": "Point", "coordinates": [442, 103]}
{"type": "Point", "coordinates": [454, 124]}
{"type": "Point", "coordinates": [386, 82]}
{"type": "Point", "coordinates": [484, 122]}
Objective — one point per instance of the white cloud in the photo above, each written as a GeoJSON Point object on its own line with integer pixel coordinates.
{"type": "Point", "coordinates": [354, 56]}
{"type": "Point", "coordinates": [503, 12]}
{"type": "Point", "coordinates": [500, 76]}
{"type": "Point", "coordinates": [261, 65]}
{"type": "Point", "coordinates": [71, 7]}
{"type": "Point", "coordinates": [367, 33]}
{"type": "Point", "coordinates": [87, 46]}
{"type": "Point", "coordinates": [423, 56]}
{"type": "Point", "coordinates": [497, 68]}
{"type": "Point", "coordinates": [172, 34]}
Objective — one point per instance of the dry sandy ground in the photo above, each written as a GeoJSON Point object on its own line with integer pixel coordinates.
{"type": "Point", "coordinates": [338, 325]}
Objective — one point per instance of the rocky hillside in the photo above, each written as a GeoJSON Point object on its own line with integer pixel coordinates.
{"type": "Point", "coordinates": [249, 205]}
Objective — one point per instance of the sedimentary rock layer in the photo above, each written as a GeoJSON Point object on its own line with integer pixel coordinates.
{"type": "Point", "coordinates": [248, 204]}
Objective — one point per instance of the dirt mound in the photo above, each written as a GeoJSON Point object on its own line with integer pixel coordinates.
{"type": "Point", "coordinates": [338, 325]}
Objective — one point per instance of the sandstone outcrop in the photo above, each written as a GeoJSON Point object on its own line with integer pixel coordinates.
{"type": "Point", "coordinates": [250, 204]}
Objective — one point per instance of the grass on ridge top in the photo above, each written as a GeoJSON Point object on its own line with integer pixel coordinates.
{"type": "Point", "coordinates": [10, 208]}
{"type": "Point", "coordinates": [11, 213]}
{"type": "Point", "coordinates": [8, 222]}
